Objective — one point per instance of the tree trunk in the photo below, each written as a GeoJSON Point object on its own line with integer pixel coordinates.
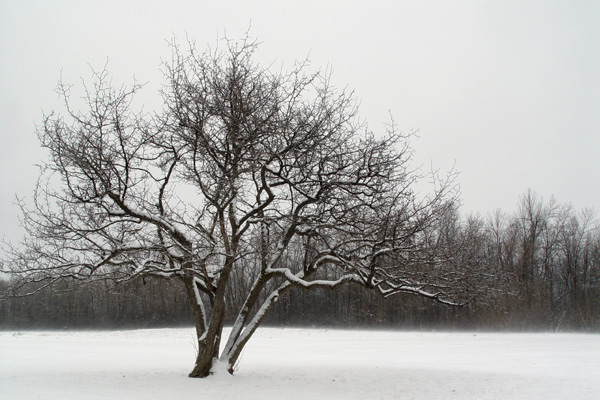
{"type": "Point", "coordinates": [208, 347]}
{"type": "Point", "coordinates": [202, 367]}
{"type": "Point", "coordinates": [208, 341]}
{"type": "Point", "coordinates": [209, 330]}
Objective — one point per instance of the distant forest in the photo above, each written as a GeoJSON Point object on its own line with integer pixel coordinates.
{"type": "Point", "coordinates": [541, 267]}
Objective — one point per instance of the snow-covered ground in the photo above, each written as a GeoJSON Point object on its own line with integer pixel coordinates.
{"type": "Point", "coordinates": [302, 364]}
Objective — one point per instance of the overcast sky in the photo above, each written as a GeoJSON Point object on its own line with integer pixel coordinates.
{"type": "Point", "coordinates": [506, 91]}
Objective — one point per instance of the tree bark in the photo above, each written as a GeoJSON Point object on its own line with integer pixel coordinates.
{"type": "Point", "coordinates": [208, 346]}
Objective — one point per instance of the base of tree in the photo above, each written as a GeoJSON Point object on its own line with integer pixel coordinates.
{"type": "Point", "coordinates": [198, 372]}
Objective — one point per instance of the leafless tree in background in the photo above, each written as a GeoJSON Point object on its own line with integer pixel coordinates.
{"type": "Point", "coordinates": [249, 182]}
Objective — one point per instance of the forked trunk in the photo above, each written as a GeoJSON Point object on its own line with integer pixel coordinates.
{"type": "Point", "coordinates": [209, 330]}
{"type": "Point", "coordinates": [208, 350]}
{"type": "Point", "coordinates": [208, 341]}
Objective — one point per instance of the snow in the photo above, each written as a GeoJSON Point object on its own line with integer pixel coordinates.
{"type": "Point", "coordinates": [302, 363]}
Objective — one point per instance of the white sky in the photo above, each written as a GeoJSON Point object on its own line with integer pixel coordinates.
{"type": "Point", "coordinates": [507, 91]}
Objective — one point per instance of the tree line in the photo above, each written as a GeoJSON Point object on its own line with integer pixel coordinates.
{"type": "Point", "coordinates": [541, 267]}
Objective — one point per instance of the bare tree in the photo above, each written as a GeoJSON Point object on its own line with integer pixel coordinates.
{"type": "Point", "coordinates": [247, 175]}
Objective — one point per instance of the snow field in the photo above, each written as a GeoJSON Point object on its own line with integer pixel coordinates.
{"type": "Point", "coordinates": [302, 364]}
